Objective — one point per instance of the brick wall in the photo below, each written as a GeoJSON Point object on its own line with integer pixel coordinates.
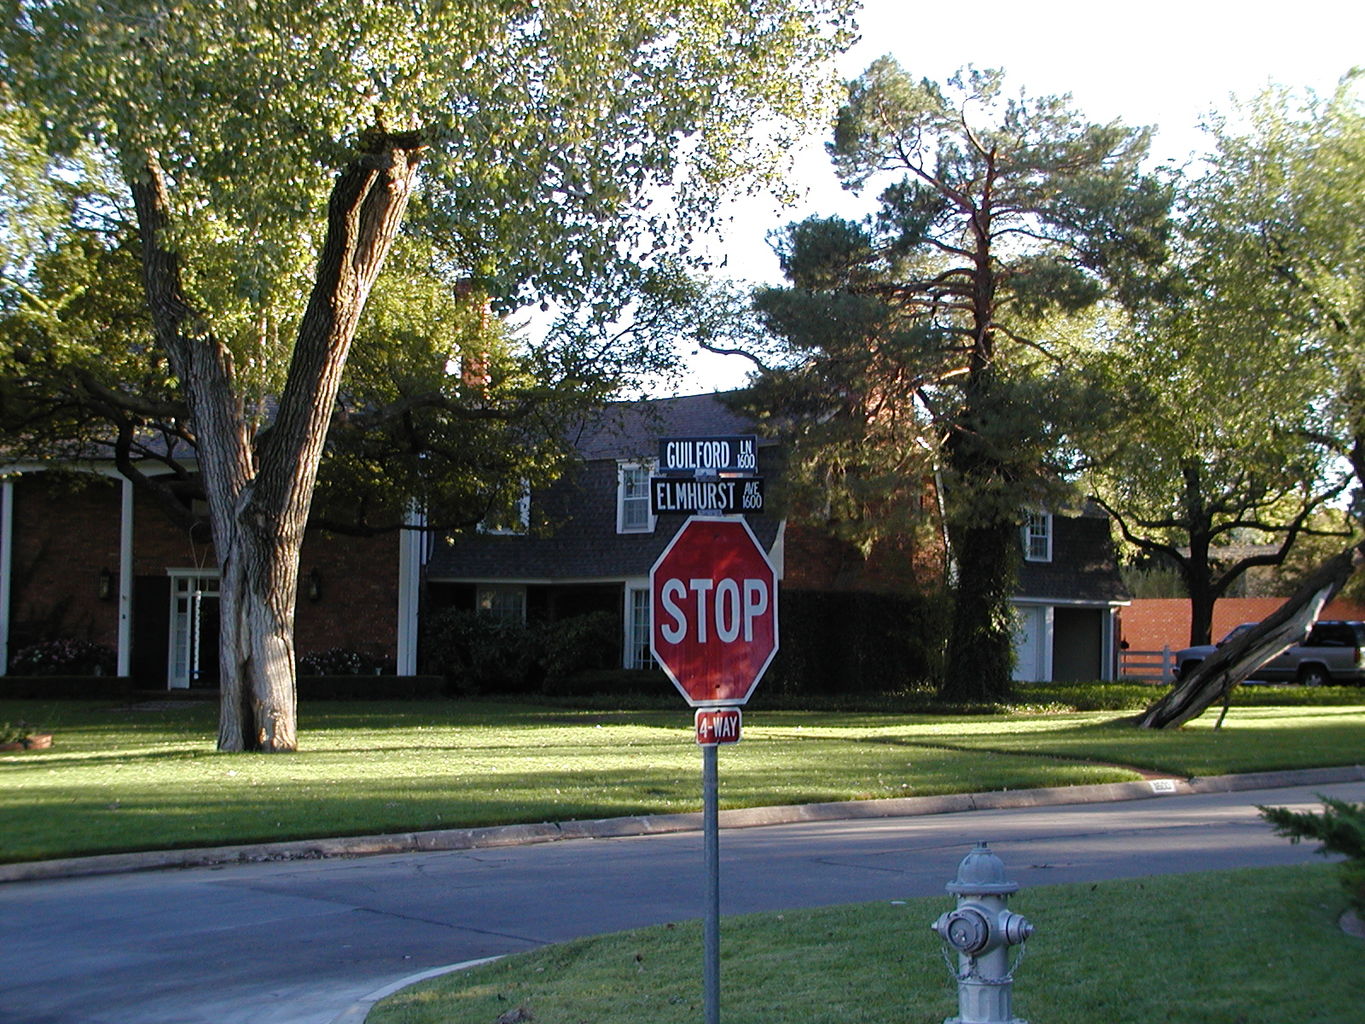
{"type": "Point", "coordinates": [814, 560]}
{"type": "Point", "coordinates": [358, 607]}
{"type": "Point", "coordinates": [1149, 624]}
{"type": "Point", "coordinates": [66, 531]}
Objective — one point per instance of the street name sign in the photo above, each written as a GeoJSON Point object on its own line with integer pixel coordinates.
{"type": "Point", "coordinates": [727, 496]}
{"type": "Point", "coordinates": [737, 454]}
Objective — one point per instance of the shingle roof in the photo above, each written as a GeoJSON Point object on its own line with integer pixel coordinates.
{"type": "Point", "coordinates": [583, 543]}
{"type": "Point", "coordinates": [1083, 567]}
{"type": "Point", "coordinates": [631, 430]}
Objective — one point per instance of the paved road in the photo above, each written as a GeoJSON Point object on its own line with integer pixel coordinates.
{"type": "Point", "coordinates": [300, 943]}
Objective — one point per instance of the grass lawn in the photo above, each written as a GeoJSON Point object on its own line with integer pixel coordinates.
{"type": "Point", "coordinates": [119, 779]}
{"type": "Point", "coordinates": [1239, 947]}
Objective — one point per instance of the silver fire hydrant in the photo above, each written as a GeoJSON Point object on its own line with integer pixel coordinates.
{"type": "Point", "coordinates": [982, 930]}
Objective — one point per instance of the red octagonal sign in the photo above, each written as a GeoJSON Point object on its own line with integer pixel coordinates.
{"type": "Point", "coordinates": [714, 600]}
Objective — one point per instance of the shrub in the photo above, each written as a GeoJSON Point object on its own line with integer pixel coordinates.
{"type": "Point", "coordinates": [582, 643]}
{"type": "Point", "coordinates": [844, 644]}
{"type": "Point", "coordinates": [338, 661]}
{"type": "Point", "coordinates": [477, 652]}
{"type": "Point", "coordinates": [14, 733]}
{"type": "Point", "coordinates": [1340, 828]}
{"type": "Point", "coordinates": [64, 657]}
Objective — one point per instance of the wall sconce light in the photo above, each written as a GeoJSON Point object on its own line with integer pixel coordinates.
{"type": "Point", "coordinates": [105, 586]}
{"type": "Point", "coordinates": [314, 588]}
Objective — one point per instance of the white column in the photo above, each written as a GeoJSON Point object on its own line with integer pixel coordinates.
{"type": "Point", "coordinates": [6, 566]}
{"type": "Point", "coordinates": [1049, 640]}
{"type": "Point", "coordinates": [409, 591]}
{"type": "Point", "coordinates": [125, 582]}
{"type": "Point", "coordinates": [1108, 653]}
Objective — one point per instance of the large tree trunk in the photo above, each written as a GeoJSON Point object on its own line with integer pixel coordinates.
{"type": "Point", "coordinates": [981, 644]}
{"type": "Point", "coordinates": [985, 537]}
{"type": "Point", "coordinates": [258, 702]}
{"type": "Point", "coordinates": [1200, 588]}
{"type": "Point", "coordinates": [1215, 677]}
{"type": "Point", "coordinates": [259, 494]}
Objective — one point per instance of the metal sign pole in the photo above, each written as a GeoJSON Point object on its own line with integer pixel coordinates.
{"type": "Point", "coordinates": [692, 640]}
{"type": "Point", "coordinates": [711, 919]}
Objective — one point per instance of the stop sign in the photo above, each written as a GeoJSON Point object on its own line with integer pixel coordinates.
{"type": "Point", "coordinates": [714, 596]}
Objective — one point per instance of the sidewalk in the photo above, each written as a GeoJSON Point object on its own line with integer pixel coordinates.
{"type": "Point", "coordinates": [548, 832]}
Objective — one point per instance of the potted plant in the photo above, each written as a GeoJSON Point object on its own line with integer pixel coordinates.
{"type": "Point", "coordinates": [22, 737]}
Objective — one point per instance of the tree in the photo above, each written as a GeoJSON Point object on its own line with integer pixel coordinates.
{"type": "Point", "coordinates": [926, 327]}
{"type": "Point", "coordinates": [270, 156]}
{"type": "Point", "coordinates": [1214, 458]}
{"type": "Point", "coordinates": [1281, 206]}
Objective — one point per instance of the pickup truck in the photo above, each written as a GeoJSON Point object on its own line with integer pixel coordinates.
{"type": "Point", "coordinates": [1333, 653]}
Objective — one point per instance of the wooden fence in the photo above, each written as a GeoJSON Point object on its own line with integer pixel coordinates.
{"type": "Point", "coordinates": [1148, 666]}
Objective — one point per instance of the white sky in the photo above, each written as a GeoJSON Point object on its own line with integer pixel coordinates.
{"type": "Point", "coordinates": [1161, 63]}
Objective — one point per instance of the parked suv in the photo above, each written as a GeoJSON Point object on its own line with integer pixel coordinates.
{"type": "Point", "coordinates": [1333, 653]}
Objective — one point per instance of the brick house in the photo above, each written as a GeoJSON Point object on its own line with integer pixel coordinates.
{"type": "Point", "coordinates": [588, 543]}
{"type": "Point", "coordinates": [84, 556]}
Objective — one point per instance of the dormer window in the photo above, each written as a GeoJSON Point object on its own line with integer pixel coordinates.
{"type": "Point", "coordinates": [1037, 536]}
{"type": "Point", "coordinates": [632, 498]}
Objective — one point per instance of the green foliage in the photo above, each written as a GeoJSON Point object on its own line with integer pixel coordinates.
{"type": "Point", "coordinates": [338, 661]}
{"type": "Point", "coordinates": [510, 199]}
{"type": "Point", "coordinates": [1332, 531]}
{"type": "Point", "coordinates": [14, 733]}
{"type": "Point", "coordinates": [850, 645]}
{"type": "Point", "coordinates": [1085, 696]}
{"type": "Point", "coordinates": [479, 653]}
{"type": "Point", "coordinates": [1245, 369]}
{"type": "Point", "coordinates": [533, 152]}
{"type": "Point", "coordinates": [548, 125]}
{"type": "Point", "coordinates": [580, 643]}
{"type": "Point", "coordinates": [482, 654]}
{"type": "Point", "coordinates": [63, 657]}
{"type": "Point", "coordinates": [921, 343]}
{"type": "Point", "coordinates": [1340, 828]}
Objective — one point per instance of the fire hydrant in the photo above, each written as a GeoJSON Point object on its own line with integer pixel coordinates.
{"type": "Point", "coordinates": [982, 930]}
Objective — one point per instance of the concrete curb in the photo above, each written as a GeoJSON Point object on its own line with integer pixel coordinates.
{"type": "Point", "coordinates": [659, 824]}
{"type": "Point", "coordinates": [360, 1009]}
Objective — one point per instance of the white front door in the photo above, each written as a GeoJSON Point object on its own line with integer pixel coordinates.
{"type": "Point", "coordinates": [1030, 644]}
{"type": "Point", "coordinates": [193, 656]}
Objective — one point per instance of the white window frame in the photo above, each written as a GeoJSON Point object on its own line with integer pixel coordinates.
{"type": "Point", "coordinates": [503, 602]}
{"type": "Point", "coordinates": [636, 616]}
{"type": "Point", "coordinates": [1037, 536]}
{"type": "Point", "coordinates": [520, 517]}
{"type": "Point", "coordinates": [624, 470]}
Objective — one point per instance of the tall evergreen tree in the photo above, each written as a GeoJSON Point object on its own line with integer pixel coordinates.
{"type": "Point", "coordinates": [997, 215]}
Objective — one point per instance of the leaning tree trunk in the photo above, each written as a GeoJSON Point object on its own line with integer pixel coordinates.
{"type": "Point", "coordinates": [1215, 677]}
{"type": "Point", "coordinates": [259, 497]}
